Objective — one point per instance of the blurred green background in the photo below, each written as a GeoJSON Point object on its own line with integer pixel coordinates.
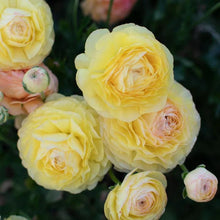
{"type": "Point", "coordinates": [191, 31]}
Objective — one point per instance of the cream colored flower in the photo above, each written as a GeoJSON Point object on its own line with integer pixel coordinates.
{"type": "Point", "coordinates": [155, 141]}
{"type": "Point", "coordinates": [125, 73]}
{"type": "Point", "coordinates": [26, 33]}
{"type": "Point", "coordinates": [201, 185]}
{"type": "Point", "coordinates": [141, 196]}
{"type": "Point", "coordinates": [60, 145]}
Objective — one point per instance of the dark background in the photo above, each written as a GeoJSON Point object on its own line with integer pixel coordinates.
{"type": "Point", "coordinates": [192, 35]}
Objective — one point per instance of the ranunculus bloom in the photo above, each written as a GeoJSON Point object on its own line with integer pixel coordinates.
{"type": "Point", "coordinates": [26, 33]}
{"type": "Point", "coordinates": [16, 99]}
{"type": "Point", "coordinates": [201, 185]}
{"type": "Point", "coordinates": [155, 141]}
{"type": "Point", "coordinates": [61, 147]}
{"type": "Point", "coordinates": [16, 217]}
{"type": "Point", "coordinates": [126, 73]}
{"type": "Point", "coordinates": [98, 9]}
{"type": "Point", "coordinates": [141, 196]}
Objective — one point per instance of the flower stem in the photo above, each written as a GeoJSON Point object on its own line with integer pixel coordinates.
{"type": "Point", "coordinates": [113, 177]}
{"type": "Point", "coordinates": [75, 8]}
{"type": "Point", "coordinates": [208, 13]}
{"type": "Point", "coordinates": [109, 12]}
{"type": "Point", "coordinates": [184, 169]}
{"type": "Point", "coordinates": [43, 96]}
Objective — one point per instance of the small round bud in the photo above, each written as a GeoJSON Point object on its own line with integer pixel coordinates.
{"type": "Point", "coordinates": [36, 80]}
{"type": "Point", "coordinates": [201, 185]}
{"type": "Point", "coordinates": [3, 115]}
{"type": "Point", "coordinates": [1, 96]}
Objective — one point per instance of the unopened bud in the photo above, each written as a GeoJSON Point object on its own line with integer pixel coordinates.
{"type": "Point", "coordinates": [201, 185]}
{"type": "Point", "coordinates": [3, 115]}
{"type": "Point", "coordinates": [36, 80]}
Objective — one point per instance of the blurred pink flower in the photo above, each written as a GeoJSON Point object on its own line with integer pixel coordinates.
{"type": "Point", "coordinates": [98, 9]}
{"type": "Point", "coordinates": [16, 99]}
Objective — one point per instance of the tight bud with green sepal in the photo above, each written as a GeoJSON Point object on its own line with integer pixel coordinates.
{"type": "Point", "coordinates": [36, 80]}
{"type": "Point", "coordinates": [3, 115]}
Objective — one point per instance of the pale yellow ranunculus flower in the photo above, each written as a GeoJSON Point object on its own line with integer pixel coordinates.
{"type": "Point", "coordinates": [125, 73]}
{"type": "Point", "coordinates": [16, 217]}
{"type": "Point", "coordinates": [155, 141]}
{"type": "Point", "coordinates": [60, 145]}
{"type": "Point", "coordinates": [26, 33]}
{"type": "Point", "coordinates": [141, 196]}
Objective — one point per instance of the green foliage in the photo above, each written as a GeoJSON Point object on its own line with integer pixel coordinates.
{"type": "Point", "coordinates": [193, 37]}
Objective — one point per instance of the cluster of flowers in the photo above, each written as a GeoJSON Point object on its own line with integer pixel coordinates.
{"type": "Point", "coordinates": [133, 114]}
{"type": "Point", "coordinates": [26, 38]}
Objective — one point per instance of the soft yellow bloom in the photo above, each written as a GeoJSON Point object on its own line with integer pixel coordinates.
{"type": "Point", "coordinates": [201, 185]}
{"type": "Point", "coordinates": [141, 196]}
{"type": "Point", "coordinates": [26, 33]}
{"type": "Point", "coordinates": [16, 217]}
{"type": "Point", "coordinates": [61, 147]}
{"type": "Point", "coordinates": [125, 73]}
{"type": "Point", "coordinates": [155, 141]}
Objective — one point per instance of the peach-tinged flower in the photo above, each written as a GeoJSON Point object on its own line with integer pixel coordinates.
{"type": "Point", "coordinates": [141, 196]}
{"type": "Point", "coordinates": [201, 185]}
{"type": "Point", "coordinates": [26, 33]}
{"type": "Point", "coordinates": [155, 141]}
{"type": "Point", "coordinates": [126, 73]}
{"type": "Point", "coordinates": [98, 9]}
{"type": "Point", "coordinates": [16, 99]}
{"type": "Point", "coordinates": [60, 145]}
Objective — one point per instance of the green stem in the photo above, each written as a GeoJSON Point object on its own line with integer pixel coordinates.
{"type": "Point", "coordinates": [208, 13]}
{"type": "Point", "coordinates": [43, 96]}
{"type": "Point", "coordinates": [184, 169]}
{"type": "Point", "coordinates": [109, 12]}
{"type": "Point", "coordinates": [75, 8]}
{"type": "Point", "coordinates": [113, 177]}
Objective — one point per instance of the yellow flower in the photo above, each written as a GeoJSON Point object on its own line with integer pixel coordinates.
{"type": "Point", "coordinates": [16, 217]}
{"type": "Point", "coordinates": [201, 185]}
{"type": "Point", "coordinates": [155, 141]}
{"type": "Point", "coordinates": [141, 196]}
{"type": "Point", "coordinates": [125, 73]}
{"type": "Point", "coordinates": [26, 33]}
{"type": "Point", "coordinates": [61, 147]}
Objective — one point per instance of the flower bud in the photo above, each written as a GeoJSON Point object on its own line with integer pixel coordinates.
{"type": "Point", "coordinates": [1, 96]}
{"type": "Point", "coordinates": [3, 115]}
{"type": "Point", "coordinates": [201, 185]}
{"type": "Point", "coordinates": [36, 80]}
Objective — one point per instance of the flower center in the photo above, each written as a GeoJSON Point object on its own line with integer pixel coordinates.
{"type": "Point", "coordinates": [143, 204]}
{"type": "Point", "coordinates": [16, 28]}
{"type": "Point", "coordinates": [57, 160]}
{"type": "Point", "coordinates": [132, 71]}
{"type": "Point", "coordinates": [167, 122]}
